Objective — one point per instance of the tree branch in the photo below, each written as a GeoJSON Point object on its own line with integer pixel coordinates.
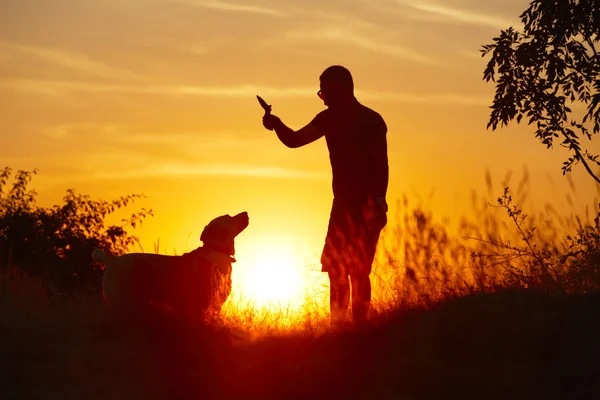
{"type": "Point", "coordinates": [591, 44]}
{"type": "Point", "coordinates": [580, 156]}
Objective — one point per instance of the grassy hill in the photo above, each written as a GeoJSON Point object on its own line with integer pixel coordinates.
{"type": "Point", "coordinates": [458, 321]}
{"type": "Point", "coordinates": [507, 345]}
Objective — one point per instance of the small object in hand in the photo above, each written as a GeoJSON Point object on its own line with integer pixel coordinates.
{"type": "Point", "coordinates": [264, 105]}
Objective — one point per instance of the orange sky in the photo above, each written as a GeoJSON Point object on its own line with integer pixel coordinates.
{"type": "Point", "coordinates": [158, 97]}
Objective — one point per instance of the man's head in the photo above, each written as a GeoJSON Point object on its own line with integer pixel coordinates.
{"type": "Point", "coordinates": [337, 86]}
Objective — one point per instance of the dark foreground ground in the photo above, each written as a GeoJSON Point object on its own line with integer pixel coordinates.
{"type": "Point", "coordinates": [510, 345]}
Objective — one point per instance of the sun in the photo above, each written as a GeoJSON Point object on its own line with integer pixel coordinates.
{"type": "Point", "coordinates": [271, 274]}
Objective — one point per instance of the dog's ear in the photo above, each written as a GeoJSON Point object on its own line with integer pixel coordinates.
{"type": "Point", "coordinates": [218, 234]}
{"type": "Point", "coordinates": [203, 234]}
{"type": "Point", "coordinates": [217, 229]}
{"type": "Point", "coordinates": [209, 230]}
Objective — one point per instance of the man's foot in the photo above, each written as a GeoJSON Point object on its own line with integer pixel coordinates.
{"type": "Point", "coordinates": [339, 319]}
{"type": "Point", "coordinates": [341, 325]}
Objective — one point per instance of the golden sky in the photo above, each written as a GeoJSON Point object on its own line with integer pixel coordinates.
{"type": "Point", "coordinates": [158, 97]}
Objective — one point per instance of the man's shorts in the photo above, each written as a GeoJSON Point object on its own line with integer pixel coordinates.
{"type": "Point", "coordinates": [351, 241]}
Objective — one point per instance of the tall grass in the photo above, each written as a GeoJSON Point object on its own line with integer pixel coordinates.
{"type": "Point", "coordinates": [517, 344]}
{"type": "Point", "coordinates": [421, 262]}
{"type": "Point", "coordinates": [498, 245]}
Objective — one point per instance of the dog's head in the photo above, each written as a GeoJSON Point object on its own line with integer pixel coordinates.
{"type": "Point", "coordinates": [220, 233]}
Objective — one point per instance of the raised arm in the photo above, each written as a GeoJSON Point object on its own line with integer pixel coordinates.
{"type": "Point", "coordinates": [299, 138]}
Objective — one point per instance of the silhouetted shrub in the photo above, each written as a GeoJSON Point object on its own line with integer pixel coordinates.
{"type": "Point", "coordinates": [425, 261]}
{"type": "Point", "coordinates": [55, 243]}
{"type": "Point", "coordinates": [570, 266]}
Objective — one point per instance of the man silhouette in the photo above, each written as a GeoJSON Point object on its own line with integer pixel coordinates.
{"type": "Point", "coordinates": [356, 139]}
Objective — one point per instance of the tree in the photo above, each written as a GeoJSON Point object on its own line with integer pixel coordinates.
{"type": "Point", "coordinates": [550, 74]}
{"type": "Point", "coordinates": [56, 243]}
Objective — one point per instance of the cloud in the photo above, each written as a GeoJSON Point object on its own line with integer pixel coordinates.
{"type": "Point", "coordinates": [61, 88]}
{"type": "Point", "coordinates": [347, 20]}
{"type": "Point", "coordinates": [342, 35]}
{"type": "Point", "coordinates": [473, 54]}
{"type": "Point", "coordinates": [178, 170]}
{"type": "Point", "coordinates": [232, 7]}
{"type": "Point", "coordinates": [77, 129]}
{"type": "Point", "coordinates": [458, 14]}
{"type": "Point", "coordinates": [120, 136]}
{"type": "Point", "coordinates": [74, 61]}
{"type": "Point", "coordinates": [432, 98]}
{"type": "Point", "coordinates": [232, 91]}
{"type": "Point", "coordinates": [57, 88]}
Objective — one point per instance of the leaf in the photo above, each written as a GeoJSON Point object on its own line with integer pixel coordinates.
{"type": "Point", "coordinates": [547, 70]}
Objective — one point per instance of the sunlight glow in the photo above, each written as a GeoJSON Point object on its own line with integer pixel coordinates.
{"type": "Point", "coordinates": [272, 275]}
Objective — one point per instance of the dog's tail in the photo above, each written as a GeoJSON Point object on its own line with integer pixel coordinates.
{"type": "Point", "coordinates": [101, 256]}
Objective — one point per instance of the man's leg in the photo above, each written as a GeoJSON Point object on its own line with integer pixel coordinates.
{"type": "Point", "coordinates": [366, 245]}
{"type": "Point", "coordinates": [361, 296]}
{"type": "Point", "coordinates": [339, 297]}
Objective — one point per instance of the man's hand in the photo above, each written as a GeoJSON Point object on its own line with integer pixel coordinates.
{"type": "Point", "coordinates": [270, 121]}
{"type": "Point", "coordinates": [375, 213]}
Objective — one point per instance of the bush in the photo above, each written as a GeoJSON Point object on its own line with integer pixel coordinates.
{"type": "Point", "coordinates": [55, 243]}
{"type": "Point", "coordinates": [569, 266]}
{"type": "Point", "coordinates": [497, 246]}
